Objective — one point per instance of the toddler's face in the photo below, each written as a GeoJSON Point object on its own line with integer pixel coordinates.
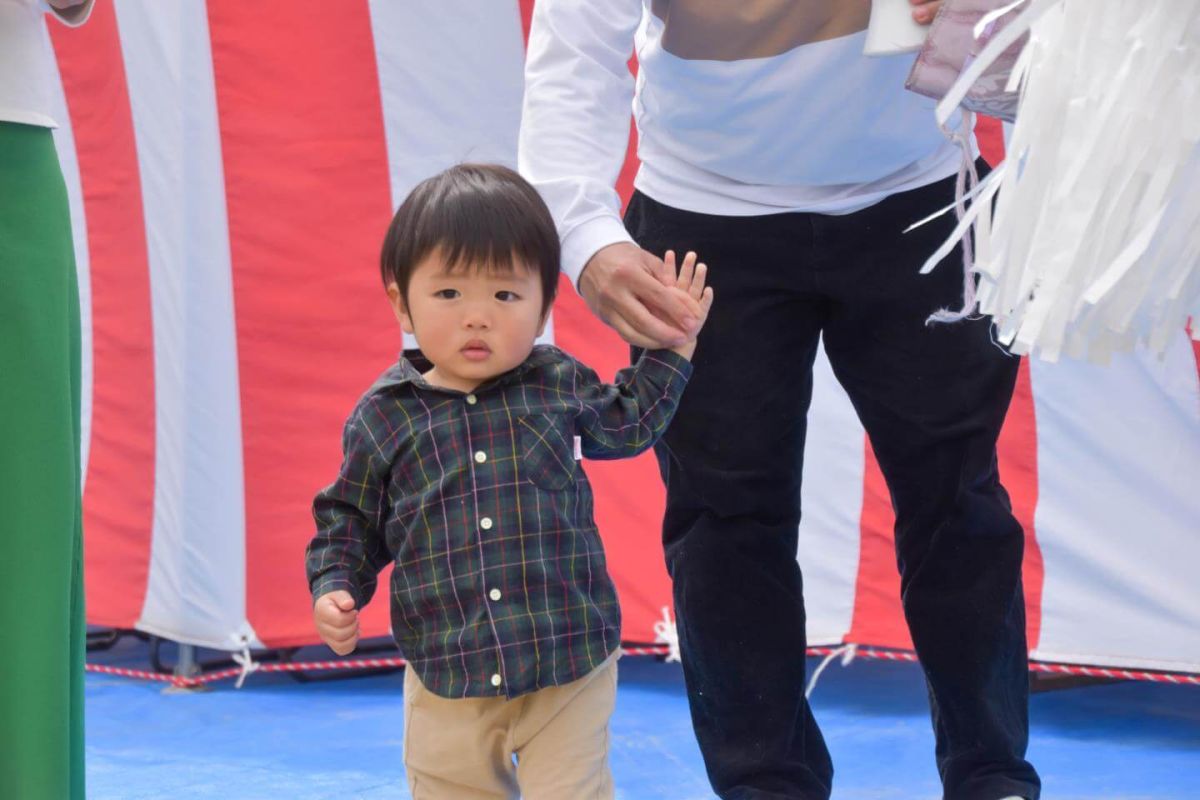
{"type": "Point", "coordinates": [472, 324]}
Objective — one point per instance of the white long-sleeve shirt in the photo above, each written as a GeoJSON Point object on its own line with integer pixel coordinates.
{"type": "Point", "coordinates": [26, 66]}
{"type": "Point", "coordinates": [742, 108]}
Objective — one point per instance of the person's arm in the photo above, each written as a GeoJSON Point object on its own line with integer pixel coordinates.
{"type": "Point", "coordinates": [574, 132]}
{"type": "Point", "coordinates": [621, 419]}
{"type": "Point", "coordinates": [349, 548]}
{"type": "Point", "coordinates": [71, 12]}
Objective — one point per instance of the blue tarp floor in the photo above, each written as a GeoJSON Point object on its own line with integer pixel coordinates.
{"type": "Point", "coordinates": [278, 738]}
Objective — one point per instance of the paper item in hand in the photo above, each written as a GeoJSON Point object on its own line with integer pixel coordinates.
{"type": "Point", "coordinates": [892, 29]}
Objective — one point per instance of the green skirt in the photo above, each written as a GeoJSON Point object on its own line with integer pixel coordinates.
{"type": "Point", "coordinates": [41, 544]}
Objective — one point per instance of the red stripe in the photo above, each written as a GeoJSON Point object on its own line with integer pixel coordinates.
{"type": "Point", "coordinates": [1196, 348]}
{"type": "Point", "coordinates": [1019, 473]}
{"type": "Point", "coordinates": [306, 176]}
{"type": "Point", "coordinates": [526, 7]}
{"type": "Point", "coordinates": [990, 135]}
{"type": "Point", "coordinates": [1191, 328]}
{"type": "Point", "coordinates": [878, 618]}
{"type": "Point", "coordinates": [118, 506]}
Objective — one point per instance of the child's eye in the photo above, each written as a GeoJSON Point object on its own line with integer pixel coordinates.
{"type": "Point", "coordinates": [446, 294]}
{"type": "Point", "coordinates": [506, 296]}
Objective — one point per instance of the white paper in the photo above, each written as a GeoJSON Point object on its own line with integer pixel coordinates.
{"type": "Point", "coordinates": [892, 29]}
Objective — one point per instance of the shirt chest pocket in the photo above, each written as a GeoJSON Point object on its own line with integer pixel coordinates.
{"type": "Point", "coordinates": [547, 450]}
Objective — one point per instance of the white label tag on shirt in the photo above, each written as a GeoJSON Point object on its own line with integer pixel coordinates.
{"type": "Point", "coordinates": [579, 448]}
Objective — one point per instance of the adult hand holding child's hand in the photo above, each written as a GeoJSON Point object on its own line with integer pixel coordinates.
{"type": "Point", "coordinates": [336, 619]}
{"type": "Point", "coordinates": [626, 287]}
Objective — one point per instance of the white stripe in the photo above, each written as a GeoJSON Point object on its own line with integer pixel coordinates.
{"type": "Point", "coordinates": [450, 75]}
{"type": "Point", "coordinates": [196, 589]}
{"type": "Point", "coordinates": [1119, 510]}
{"type": "Point", "coordinates": [451, 79]}
{"type": "Point", "coordinates": [831, 505]}
{"type": "Point", "coordinates": [64, 142]}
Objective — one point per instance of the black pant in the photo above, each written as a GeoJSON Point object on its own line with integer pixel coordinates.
{"type": "Point", "coordinates": [932, 400]}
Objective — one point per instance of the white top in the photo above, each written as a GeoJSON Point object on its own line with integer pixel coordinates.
{"type": "Point", "coordinates": [26, 60]}
{"type": "Point", "coordinates": [745, 108]}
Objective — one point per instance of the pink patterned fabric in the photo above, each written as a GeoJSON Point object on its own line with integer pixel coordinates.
{"type": "Point", "coordinates": [950, 48]}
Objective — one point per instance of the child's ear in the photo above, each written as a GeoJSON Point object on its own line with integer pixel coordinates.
{"type": "Point", "coordinates": [545, 319]}
{"type": "Point", "coordinates": [399, 308]}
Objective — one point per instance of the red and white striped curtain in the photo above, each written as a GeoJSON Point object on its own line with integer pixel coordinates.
{"type": "Point", "coordinates": [232, 166]}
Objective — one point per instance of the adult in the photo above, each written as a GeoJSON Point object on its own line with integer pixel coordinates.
{"type": "Point", "coordinates": [792, 164]}
{"type": "Point", "coordinates": [41, 666]}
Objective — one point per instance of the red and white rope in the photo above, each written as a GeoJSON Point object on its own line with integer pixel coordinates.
{"type": "Point", "coordinates": [651, 650]}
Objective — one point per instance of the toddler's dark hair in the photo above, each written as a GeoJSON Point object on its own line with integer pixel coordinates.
{"type": "Point", "coordinates": [480, 216]}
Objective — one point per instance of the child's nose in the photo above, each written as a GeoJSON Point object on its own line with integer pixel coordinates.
{"type": "Point", "coordinates": [477, 318]}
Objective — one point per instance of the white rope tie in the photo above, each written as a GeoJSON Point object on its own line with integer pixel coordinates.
{"type": "Point", "coordinates": [846, 651]}
{"type": "Point", "coordinates": [666, 633]}
{"type": "Point", "coordinates": [966, 184]}
{"type": "Point", "coordinates": [244, 659]}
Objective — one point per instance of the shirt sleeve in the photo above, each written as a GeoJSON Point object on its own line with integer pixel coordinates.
{"type": "Point", "coordinates": [621, 419]}
{"type": "Point", "coordinates": [349, 548]}
{"type": "Point", "coordinates": [72, 17]}
{"type": "Point", "coordinates": [575, 119]}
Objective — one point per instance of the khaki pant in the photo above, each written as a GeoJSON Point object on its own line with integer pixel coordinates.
{"type": "Point", "coordinates": [463, 749]}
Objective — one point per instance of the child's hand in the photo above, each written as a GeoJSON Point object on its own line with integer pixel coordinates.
{"type": "Point", "coordinates": [336, 619]}
{"type": "Point", "coordinates": [690, 286]}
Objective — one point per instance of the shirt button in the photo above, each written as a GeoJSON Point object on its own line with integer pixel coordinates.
{"type": "Point", "coordinates": [480, 457]}
{"type": "Point", "coordinates": [486, 523]}
{"type": "Point", "coordinates": [472, 399]}
{"type": "Point", "coordinates": [496, 680]}
{"type": "Point", "coordinates": [494, 594]}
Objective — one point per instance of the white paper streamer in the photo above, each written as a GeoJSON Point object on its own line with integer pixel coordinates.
{"type": "Point", "coordinates": [1094, 241]}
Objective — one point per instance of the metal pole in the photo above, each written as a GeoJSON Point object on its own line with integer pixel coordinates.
{"type": "Point", "coordinates": [186, 666]}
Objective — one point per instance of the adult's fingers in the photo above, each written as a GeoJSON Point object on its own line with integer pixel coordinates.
{"type": "Point", "coordinates": [635, 337]}
{"type": "Point", "coordinates": [665, 302]}
{"type": "Point", "coordinates": [639, 316]}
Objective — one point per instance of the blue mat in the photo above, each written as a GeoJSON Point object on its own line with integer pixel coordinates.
{"type": "Point", "coordinates": [342, 739]}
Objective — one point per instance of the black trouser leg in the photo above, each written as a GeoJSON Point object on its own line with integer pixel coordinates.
{"type": "Point", "coordinates": [933, 399]}
{"type": "Point", "coordinates": [731, 461]}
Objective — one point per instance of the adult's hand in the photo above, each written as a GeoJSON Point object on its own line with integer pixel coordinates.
{"type": "Point", "coordinates": [627, 288]}
{"type": "Point", "coordinates": [925, 10]}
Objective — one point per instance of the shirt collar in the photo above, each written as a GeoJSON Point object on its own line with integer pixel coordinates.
{"type": "Point", "coordinates": [413, 365]}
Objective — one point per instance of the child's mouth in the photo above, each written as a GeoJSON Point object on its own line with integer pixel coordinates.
{"type": "Point", "coordinates": [476, 351]}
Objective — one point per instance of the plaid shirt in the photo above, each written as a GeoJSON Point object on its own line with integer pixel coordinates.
{"type": "Point", "coordinates": [500, 586]}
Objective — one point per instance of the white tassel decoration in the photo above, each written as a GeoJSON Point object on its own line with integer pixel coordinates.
{"type": "Point", "coordinates": [1094, 240]}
